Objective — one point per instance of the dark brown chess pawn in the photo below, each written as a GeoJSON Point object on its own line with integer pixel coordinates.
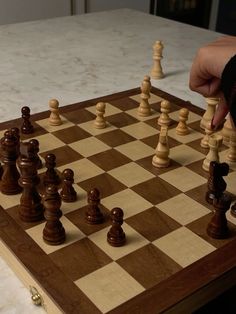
{"type": "Point", "coordinates": [51, 176]}
{"type": "Point", "coordinates": [27, 127]}
{"type": "Point", "coordinates": [53, 232]}
{"type": "Point", "coordinates": [16, 132]}
{"type": "Point", "coordinates": [216, 184]}
{"type": "Point", "coordinates": [30, 208]}
{"type": "Point", "coordinates": [116, 235]}
{"type": "Point", "coordinates": [93, 214]}
{"type": "Point", "coordinates": [218, 228]}
{"type": "Point", "coordinates": [68, 193]}
{"type": "Point", "coordinates": [9, 152]}
{"type": "Point", "coordinates": [1, 171]}
{"type": "Point", "coordinates": [38, 161]}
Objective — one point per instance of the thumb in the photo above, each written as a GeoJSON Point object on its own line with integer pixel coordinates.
{"type": "Point", "coordinates": [221, 111]}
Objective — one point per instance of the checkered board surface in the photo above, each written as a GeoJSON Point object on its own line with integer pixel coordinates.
{"type": "Point", "coordinates": [168, 258]}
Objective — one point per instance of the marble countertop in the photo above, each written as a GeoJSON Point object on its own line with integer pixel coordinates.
{"type": "Point", "coordinates": [82, 57]}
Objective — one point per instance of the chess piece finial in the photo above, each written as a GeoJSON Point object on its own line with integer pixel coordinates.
{"type": "Point", "coordinates": [161, 158]}
{"type": "Point", "coordinates": [54, 118]}
{"type": "Point", "coordinates": [116, 235]}
{"type": "Point", "coordinates": [182, 128]}
{"type": "Point", "coordinates": [93, 214]}
{"type": "Point", "coordinates": [156, 72]}
{"type": "Point", "coordinates": [164, 118]}
{"type": "Point", "coordinates": [53, 232]}
{"type": "Point", "coordinates": [68, 193]}
{"type": "Point", "coordinates": [27, 127]}
{"type": "Point", "coordinates": [100, 122]}
{"type": "Point", "coordinates": [144, 108]}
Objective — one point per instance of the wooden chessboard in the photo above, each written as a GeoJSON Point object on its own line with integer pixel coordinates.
{"type": "Point", "coordinates": [169, 263]}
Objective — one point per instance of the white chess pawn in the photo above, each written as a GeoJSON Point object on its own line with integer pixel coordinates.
{"type": "Point", "coordinates": [144, 108]}
{"type": "Point", "coordinates": [231, 157]}
{"type": "Point", "coordinates": [161, 158]}
{"type": "Point", "coordinates": [205, 139]}
{"type": "Point", "coordinates": [100, 122]}
{"type": "Point", "coordinates": [164, 118]}
{"type": "Point", "coordinates": [156, 72]}
{"type": "Point", "coordinates": [227, 130]}
{"type": "Point", "coordinates": [212, 102]}
{"type": "Point", "coordinates": [54, 118]}
{"type": "Point", "coordinates": [215, 140]}
{"type": "Point", "coordinates": [182, 128]}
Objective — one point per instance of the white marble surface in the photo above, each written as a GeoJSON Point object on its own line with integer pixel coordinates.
{"type": "Point", "coordinates": [81, 57]}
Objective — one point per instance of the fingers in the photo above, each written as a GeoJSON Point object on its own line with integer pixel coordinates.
{"type": "Point", "coordinates": [221, 112]}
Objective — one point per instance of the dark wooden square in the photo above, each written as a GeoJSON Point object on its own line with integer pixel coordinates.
{"type": "Point", "coordinates": [115, 138]}
{"type": "Point", "coordinates": [72, 134]}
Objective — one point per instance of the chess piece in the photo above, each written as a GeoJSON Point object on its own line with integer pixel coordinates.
{"type": "Point", "coordinates": [53, 232]}
{"type": "Point", "coordinates": [144, 108]}
{"type": "Point", "coordinates": [208, 132]}
{"type": "Point", "coordinates": [215, 140]}
{"type": "Point", "coordinates": [30, 208]}
{"type": "Point", "coordinates": [156, 72]}
{"type": "Point", "coordinates": [51, 176]}
{"type": "Point", "coordinates": [1, 171]}
{"type": "Point", "coordinates": [227, 130]}
{"type": "Point", "coordinates": [233, 210]}
{"type": "Point", "coordinates": [54, 118]}
{"type": "Point", "coordinates": [16, 132]}
{"type": "Point", "coordinates": [164, 118]}
{"type": "Point", "coordinates": [182, 128]}
{"type": "Point", "coordinates": [161, 157]}
{"type": "Point", "coordinates": [68, 193]}
{"type": "Point", "coordinates": [116, 235]}
{"type": "Point", "coordinates": [231, 156]}
{"type": "Point", "coordinates": [10, 175]}
{"type": "Point", "coordinates": [218, 228]}
{"type": "Point", "coordinates": [212, 102]}
{"type": "Point", "coordinates": [93, 214]}
{"type": "Point", "coordinates": [27, 127]}
{"type": "Point", "coordinates": [216, 184]}
{"type": "Point", "coordinates": [38, 161]}
{"type": "Point", "coordinates": [100, 122]}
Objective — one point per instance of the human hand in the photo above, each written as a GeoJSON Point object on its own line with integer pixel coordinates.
{"type": "Point", "coordinates": [206, 72]}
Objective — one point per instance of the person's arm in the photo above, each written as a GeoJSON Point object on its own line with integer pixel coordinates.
{"type": "Point", "coordinates": [208, 75]}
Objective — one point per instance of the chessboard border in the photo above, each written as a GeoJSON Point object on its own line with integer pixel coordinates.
{"type": "Point", "coordinates": [191, 287]}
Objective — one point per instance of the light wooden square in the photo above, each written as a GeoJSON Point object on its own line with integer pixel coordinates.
{"type": "Point", "coordinates": [52, 128]}
{"type": "Point", "coordinates": [153, 99]}
{"type": "Point", "coordinates": [184, 246]}
{"type": "Point", "coordinates": [183, 178]}
{"type": "Point", "coordinates": [135, 150]}
{"type": "Point", "coordinates": [109, 110]}
{"type": "Point", "coordinates": [192, 136]}
{"type": "Point", "coordinates": [72, 234]}
{"type": "Point", "coordinates": [140, 130]}
{"type": "Point", "coordinates": [83, 169]}
{"type": "Point", "coordinates": [185, 155]}
{"type": "Point", "coordinates": [89, 146]}
{"type": "Point", "coordinates": [49, 142]}
{"type": "Point", "coordinates": [192, 117]}
{"type": "Point", "coordinates": [131, 174]}
{"type": "Point", "coordinates": [89, 127]}
{"type": "Point", "coordinates": [183, 209]}
{"type": "Point", "coordinates": [109, 287]}
{"type": "Point", "coordinates": [134, 113]}
{"type": "Point", "coordinates": [8, 201]}
{"type": "Point", "coordinates": [231, 182]}
{"type": "Point", "coordinates": [134, 241]}
{"type": "Point", "coordinates": [128, 200]}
